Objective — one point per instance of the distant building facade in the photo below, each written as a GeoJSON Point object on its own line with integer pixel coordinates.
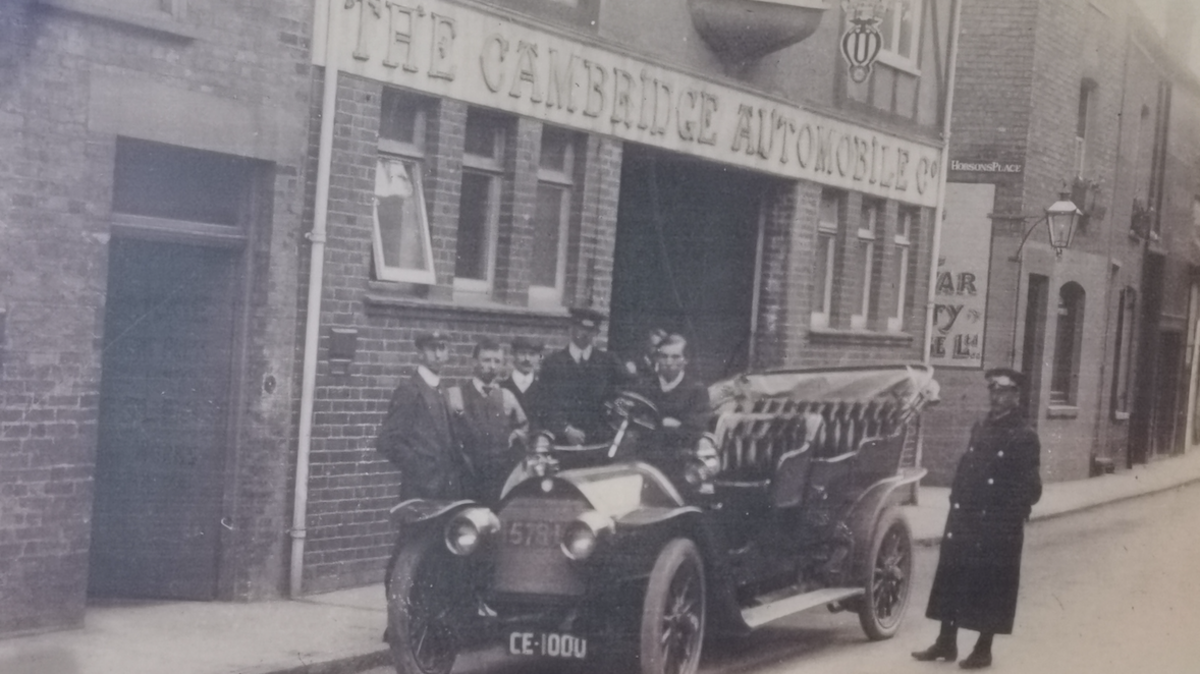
{"type": "Point", "coordinates": [1084, 97]}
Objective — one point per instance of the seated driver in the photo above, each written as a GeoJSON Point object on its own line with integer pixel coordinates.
{"type": "Point", "coordinates": [681, 399]}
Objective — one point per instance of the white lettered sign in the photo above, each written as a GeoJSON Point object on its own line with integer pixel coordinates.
{"type": "Point", "coordinates": [960, 293]}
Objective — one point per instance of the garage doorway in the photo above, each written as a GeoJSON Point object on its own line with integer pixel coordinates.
{"type": "Point", "coordinates": [687, 242]}
{"type": "Point", "coordinates": [173, 314]}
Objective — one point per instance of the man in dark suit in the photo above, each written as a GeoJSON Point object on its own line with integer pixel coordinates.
{"type": "Point", "coordinates": [416, 435]}
{"type": "Point", "coordinates": [641, 367]}
{"type": "Point", "coordinates": [490, 423]}
{"type": "Point", "coordinates": [577, 381]}
{"type": "Point", "coordinates": [979, 565]}
{"type": "Point", "coordinates": [524, 382]}
{"type": "Point", "coordinates": [682, 402]}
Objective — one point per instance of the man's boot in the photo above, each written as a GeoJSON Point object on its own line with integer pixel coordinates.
{"type": "Point", "coordinates": [940, 650]}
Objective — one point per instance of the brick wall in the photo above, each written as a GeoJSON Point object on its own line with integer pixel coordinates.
{"type": "Point", "coordinates": [58, 150]}
{"type": "Point", "coordinates": [351, 486]}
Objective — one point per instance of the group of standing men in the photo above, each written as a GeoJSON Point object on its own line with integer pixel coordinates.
{"type": "Point", "coordinates": [462, 441]}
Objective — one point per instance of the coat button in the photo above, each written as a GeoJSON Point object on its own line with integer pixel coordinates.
{"type": "Point", "coordinates": [1000, 453]}
{"type": "Point", "coordinates": [956, 506]}
{"type": "Point", "coordinates": [989, 480]}
{"type": "Point", "coordinates": [950, 534]}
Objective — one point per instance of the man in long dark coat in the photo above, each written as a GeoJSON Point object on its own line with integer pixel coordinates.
{"type": "Point", "coordinates": [416, 435]}
{"type": "Point", "coordinates": [979, 567]}
{"type": "Point", "coordinates": [577, 381]}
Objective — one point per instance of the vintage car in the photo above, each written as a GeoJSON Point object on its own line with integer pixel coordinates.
{"type": "Point", "coordinates": [788, 503]}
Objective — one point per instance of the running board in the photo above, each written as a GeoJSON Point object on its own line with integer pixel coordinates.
{"type": "Point", "coordinates": [782, 608]}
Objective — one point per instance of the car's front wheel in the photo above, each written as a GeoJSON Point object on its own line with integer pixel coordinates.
{"type": "Point", "coordinates": [888, 575]}
{"type": "Point", "coordinates": [673, 611]}
{"type": "Point", "coordinates": [422, 598]}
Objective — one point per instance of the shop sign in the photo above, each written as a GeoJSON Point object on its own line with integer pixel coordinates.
{"type": "Point", "coordinates": [862, 42]}
{"type": "Point", "coordinates": [447, 50]}
{"type": "Point", "coordinates": [960, 292]}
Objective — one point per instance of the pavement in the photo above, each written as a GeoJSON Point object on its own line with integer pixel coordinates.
{"type": "Point", "coordinates": [339, 632]}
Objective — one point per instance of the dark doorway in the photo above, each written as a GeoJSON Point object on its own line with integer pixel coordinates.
{"type": "Point", "coordinates": [1147, 383]}
{"type": "Point", "coordinates": [163, 431]}
{"type": "Point", "coordinates": [1166, 403]}
{"type": "Point", "coordinates": [687, 239]}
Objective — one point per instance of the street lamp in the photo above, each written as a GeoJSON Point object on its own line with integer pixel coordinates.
{"type": "Point", "coordinates": [1060, 218]}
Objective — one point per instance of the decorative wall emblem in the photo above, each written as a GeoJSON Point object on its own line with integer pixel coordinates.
{"type": "Point", "coordinates": [862, 42]}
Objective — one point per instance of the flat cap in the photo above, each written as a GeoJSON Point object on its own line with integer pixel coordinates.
{"type": "Point", "coordinates": [430, 337]}
{"type": "Point", "coordinates": [587, 316]}
{"type": "Point", "coordinates": [1004, 377]}
{"type": "Point", "coordinates": [523, 343]}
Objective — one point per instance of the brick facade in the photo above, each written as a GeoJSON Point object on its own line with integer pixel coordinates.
{"type": "Point", "coordinates": [71, 83]}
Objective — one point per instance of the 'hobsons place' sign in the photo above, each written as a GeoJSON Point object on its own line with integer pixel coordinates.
{"type": "Point", "coordinates": [457, 52]}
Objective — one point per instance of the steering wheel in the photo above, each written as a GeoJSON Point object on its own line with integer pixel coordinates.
{"type": "Point", "coordinates": [635, 408]}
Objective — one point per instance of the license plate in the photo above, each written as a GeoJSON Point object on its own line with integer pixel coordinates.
{"type": "Point", "coordinates": [547, 644]}
{"type": "Point", "coordinates": [527, 534]}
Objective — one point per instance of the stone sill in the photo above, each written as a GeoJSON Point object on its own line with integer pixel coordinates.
{"type": "Point", "coordinates": [97, 9]}
{"type": "Point", "coordinates": [1062, 411]}
{"type": "Point", "coordinates": [840, 336]}
{"type": "Point", "coordinates": [382, 296]}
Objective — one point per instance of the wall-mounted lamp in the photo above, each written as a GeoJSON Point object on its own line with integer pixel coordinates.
{"type": "Point", "coordinates": [1060, 218]}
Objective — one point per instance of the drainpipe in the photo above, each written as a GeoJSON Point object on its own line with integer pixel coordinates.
{"type": "Point", "coordinates": [939, 210]}
{"type": "Point", "coordinates": [312, 324]}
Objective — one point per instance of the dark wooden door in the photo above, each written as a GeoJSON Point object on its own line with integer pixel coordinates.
{"type": "Point", "coordinates": [164, 405]}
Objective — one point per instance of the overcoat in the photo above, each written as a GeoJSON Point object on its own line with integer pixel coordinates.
{"type": "Point", "coordinates": [995, 485]}
{"type": "Point", "coordinates": [417, 438]}
{"type": "Point", "coordinates": [575, 393]}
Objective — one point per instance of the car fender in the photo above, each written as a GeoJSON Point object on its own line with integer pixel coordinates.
{"type": "Point", "coordinates": [862, 515]}
{"type": "Point", "coordinates": [419, 511]}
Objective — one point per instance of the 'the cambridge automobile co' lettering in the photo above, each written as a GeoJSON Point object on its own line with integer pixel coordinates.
{"type": "Point", "coordinates": [465, 54]}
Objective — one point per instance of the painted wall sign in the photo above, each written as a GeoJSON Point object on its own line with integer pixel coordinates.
{"type": "Point", "coordinates": [960, 308]}
{"type": "Point", "coordinates": [862, 41]}
{"type": "Point", "coordinates": [443, 49]}
{"type": "Point", "coordinates": [985, 166]}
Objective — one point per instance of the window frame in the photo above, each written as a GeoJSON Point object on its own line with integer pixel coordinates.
{"type": "Point", "coordinates": [890, 56]}
{"type": "Point", "coordinates": [1065, 359]}
{"type": "Point", "coordinates": [1120, 404]}
{"type": "Point", "coordinates": [411, 154]}
{"type": "Point", "coordinates": [872, 211]}
{"type": "Point", "coordinates": [906, 219]}
{"type": "Point", "coordinates": [493, 168]}
{"type": "Point", "coordinates": [827, 236]}
{"type": "Point", "coordinates": [562, 179]}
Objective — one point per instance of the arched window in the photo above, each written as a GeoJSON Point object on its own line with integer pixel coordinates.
{"type": "Point", "coordinates": [1064, 379]}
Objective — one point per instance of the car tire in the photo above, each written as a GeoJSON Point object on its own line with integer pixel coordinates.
{"type": "Point", "coordinates": [673, 611]}
{"type": "Point", "coordinates": [421, 600]}
{"type": "Point", "coordinates": [887, 574]}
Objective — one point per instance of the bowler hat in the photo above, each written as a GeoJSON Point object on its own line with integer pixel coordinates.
{"type": "Point", "coordinates": [427, 337]}
{"type": "Point", "coordinates": [587, 316]}
{"type": "Point", "coordinates": [1004, 377]}
{"type": "Point", "coordinates": [529, 344]}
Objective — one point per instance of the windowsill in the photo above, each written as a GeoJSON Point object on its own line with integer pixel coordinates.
{"type": "Point", "coordinates": [96, 8]}
{"type": "Point", "coordinates": [858, 336]}
{"type": "Point", "coordinates": [900, 63]}
{"type": "Point", "coordinates": [1062, 411]}
{"type": "Point", "coordinates": [384, 296]}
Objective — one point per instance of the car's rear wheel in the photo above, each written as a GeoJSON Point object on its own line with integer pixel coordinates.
{"type": "Point", "coordinates": [888, 576]}
{"type": "Point", "coordinates": [673, 611]}
{"type": "Point", "coordinates": [422, 601]}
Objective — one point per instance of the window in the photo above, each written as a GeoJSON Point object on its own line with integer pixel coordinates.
{"type": "Point", "coordinates": [1086, 93]}
{"type": "Point", "coordinates": [1067, 343]}
{"type": "Point", "coordinates": [479, 202]}
{"type": "Point", "coordinates": [901, 31]}
{"type": "Point", "coordinates": [872, 212]}
{"type": "Point", "coordinates": [905, 223]}
{"type": "Point", "coordinates": [827, 228]}
{"type": "Point", "coordinates": [1123, 353]}
{"type": "Point", "coordinates": [552, 217]}
{"type": "Point", "coordinates": [401, 242]}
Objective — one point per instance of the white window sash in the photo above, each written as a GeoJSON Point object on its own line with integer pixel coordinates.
{"type": "Point", "coordinates": [471, 286]}
{"type": "Point", "coordinates": [820, 315]}
{"type": "Point", "coordinates": [426, 275]}
{"type": "Point", "coordinates": [888, 55]}
{"type": "Point", "coordinates": [858, 320]}
{"type": "Point", "coordinates": [547, 296]}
